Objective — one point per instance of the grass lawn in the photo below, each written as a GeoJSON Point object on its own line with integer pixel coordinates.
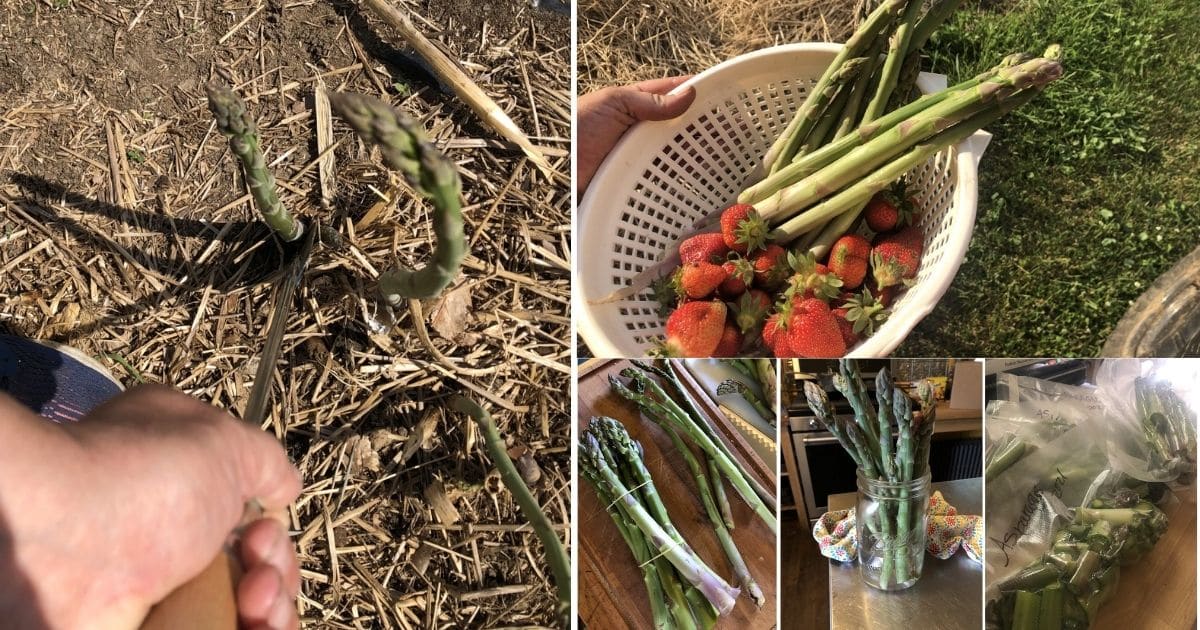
{"type": "Point", "coordinates": [1088, 193]}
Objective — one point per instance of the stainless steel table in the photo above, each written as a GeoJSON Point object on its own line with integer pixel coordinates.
{"type": "Point", "coordinates": [948, 596]}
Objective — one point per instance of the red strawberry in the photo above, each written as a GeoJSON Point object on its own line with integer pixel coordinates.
{"type": "Point", "coordinates": [731, 342]}
{"type": "Point", "coordinates": [695, 329]}
{"type": "Point", "coordinates": [750, 309]}
{"type": "Point", "coordinates": [895, 257]}
{"type": "Point", "coordinates": [744, 231]}
{"type": "Point", "coordinates": [848, 259]}
{"type": "Point", "coordinates": [890, 209]}
{"type": "Point", "coordinates": [813, 331]}
{"type": "Point", "coordinates": [846, 328]}
{"type": "Point", "coordinates": [703, 248]}
{"type": "Point", "coordinates": [741, 274]}
{"type": "Point", "coordinates": [811, 279]}
{"type": "Point", "coordinates": [770, 267]}
{"type": "Point", "coordinates": [699, 279]}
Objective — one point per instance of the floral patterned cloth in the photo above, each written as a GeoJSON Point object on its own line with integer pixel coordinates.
{"type": "Point", "coordinates": [947, 532]}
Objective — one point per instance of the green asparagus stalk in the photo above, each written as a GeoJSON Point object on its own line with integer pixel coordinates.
{"type": "Point", "coordinates": [810, 111]}
{"type": "Point", "coordinates": [857, 103]}
{"type": "Point", "coordinates": [818, 402]}
{"type": "Point", "coordinates": [883, 393]}
{"type": "Point", "coordinates": [902, 408]}
{"type": "Point", "coordinates": [960, 106]}
{"type": "Point", "coordinates": [719, 492]}
{"type": "Point", "coordinates": [406, 149]}
{"type": "Point", "coordinates": [831, 152]}
{"type": "Point", "coordinates": [660, 408]}
{"type": "Point", "coordinates": [734, 386]}
{"type": "Point", "coordinates": [599, 471]}
{"type": "Point", "coordinates": [854, 197]}
{"type": "Point", "coordinates": [642, 555]}
{"type": "Point", "coordinates": [826, 126]}
{"type": "Point", "coordinates": [937, 14]}
{"type": "Point", "coordinates": [891, 66]}
{"type": "Point", "coordinates": [234, 122]}
{"type": "Point", "coordinates": [740, 570]}
{"type": "Point", "coordinates": [556, 557]}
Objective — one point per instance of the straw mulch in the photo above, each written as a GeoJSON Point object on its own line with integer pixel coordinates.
{"type": "Point", "coordinates": [622, 41]}
{"type": "Point", "coordinates": [126, 231]}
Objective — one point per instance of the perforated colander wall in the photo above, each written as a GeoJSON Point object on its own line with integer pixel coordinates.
{"type": "Point", "coordinates": [698, 166]}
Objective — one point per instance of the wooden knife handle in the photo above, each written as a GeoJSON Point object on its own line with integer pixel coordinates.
{"type": "Point", "coordinates": [205, 603]}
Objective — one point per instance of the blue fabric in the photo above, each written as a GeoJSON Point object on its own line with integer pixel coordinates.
{"type": "Point", "coordinates": [51, 382]}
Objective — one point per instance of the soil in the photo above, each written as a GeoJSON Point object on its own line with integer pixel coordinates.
{"type": "Point", "coordinates": [125, 231]}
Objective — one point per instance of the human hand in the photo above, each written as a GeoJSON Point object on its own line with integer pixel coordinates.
{"type": "Point", "coordinates": [101, 519]}
{"type": "Point", "coordinates": [605, 115]}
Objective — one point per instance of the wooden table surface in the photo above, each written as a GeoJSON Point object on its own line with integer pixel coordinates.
{"type": "Point", "coordinates": [611, 592]}
{"type": "Point", "coordinates": [1159, 591]}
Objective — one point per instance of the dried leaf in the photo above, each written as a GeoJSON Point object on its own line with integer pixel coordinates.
{"type": "Point", "coordinates": [451, 312]}
{"type": "Point", "coordinates": [362, 455]}
{"type": "Point", "coordinates": [443, 508]}
{"type": "Point", "coordinates": [421, 435]}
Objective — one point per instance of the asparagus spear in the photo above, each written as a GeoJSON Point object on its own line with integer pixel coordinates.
{"type": "Point", "coordinates": [740, 570]}
{"type": "Point", "coordinates": [678, 394]}
{"type": "Point", "coordinates": [235, 123]}
{"type": "Point", "coordinates": [854, 197]}
{"type": "Point", "coordinates": [406, 149]}
{"type": "Point", "coordinates": [861, 41]}
{"type": "Point", "coordinates": [937, 13]}
{"type": "Point", "coordinates": [642, 555]}
{"type": "Point", "coordinates": [599, 472]}
{"type": "Point", "coordinates": [891, 66]}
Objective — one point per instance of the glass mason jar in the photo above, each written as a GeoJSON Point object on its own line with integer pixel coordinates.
{"type": "Point", "coordinates": [890, 522]}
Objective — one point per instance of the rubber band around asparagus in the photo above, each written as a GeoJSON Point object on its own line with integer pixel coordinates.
{"type": "Point", "coordinates": [235, 123]}
{"type": "Point", "coordinates": [556, 556]}
{"type": "Point", "coordinates": [406, 149]}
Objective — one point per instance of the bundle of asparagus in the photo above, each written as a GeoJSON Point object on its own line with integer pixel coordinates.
{"type": "Point", "coordinates": [684, 591]}
{"type": "Point", "coordinates": [867, 438]}
{"type": "Point", "coordinates": [1067, 585]}
{"type": "Point", "coordinates": [813, 188]}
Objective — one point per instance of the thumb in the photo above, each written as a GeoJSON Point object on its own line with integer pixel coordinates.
{"type": "Point", "coordinates": [647, 106]}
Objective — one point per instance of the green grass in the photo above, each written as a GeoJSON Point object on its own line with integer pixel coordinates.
{"type": "Point", "coordinates": [1087, 194]}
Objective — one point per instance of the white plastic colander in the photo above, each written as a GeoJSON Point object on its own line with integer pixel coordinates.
{"type": "Point", "coordinates": [662, 177]}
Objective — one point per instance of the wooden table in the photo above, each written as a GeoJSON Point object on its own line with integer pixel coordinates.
{"type": "Point", "coordinates": [1159, 591]}
{"type": "Point", "coordinates": [611, 592]}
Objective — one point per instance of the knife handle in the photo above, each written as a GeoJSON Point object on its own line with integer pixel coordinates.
{"type": "Point", "coordinates": [206, 602]}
